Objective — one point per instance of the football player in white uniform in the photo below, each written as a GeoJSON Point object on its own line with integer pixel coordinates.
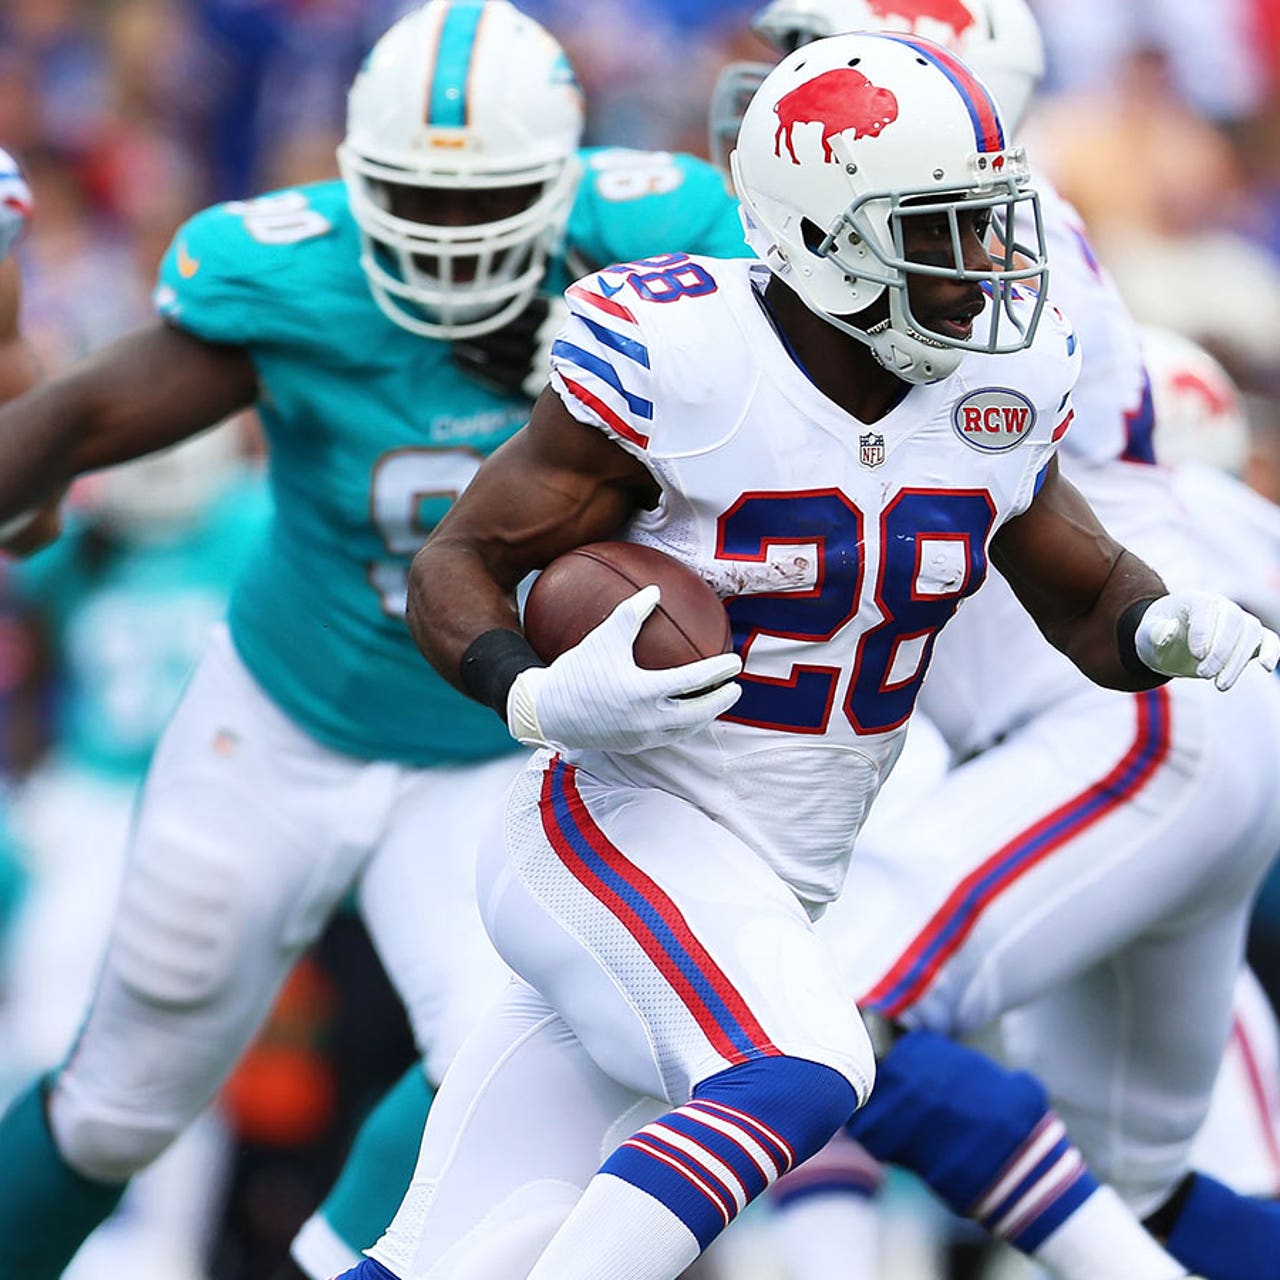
{"type": "Point", "coordinates": [1096, 852]}
{"type": "Point", "coordinates": [1202, 433]}
{"type": "Point", "coordinates": [839, 439]}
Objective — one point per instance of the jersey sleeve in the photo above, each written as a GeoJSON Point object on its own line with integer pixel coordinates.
{"type": "Point", "coordinates": [203, 286]}
{"type": "Point", "coordinates": [635, 204]}
{"type": "Point", "coordinates": [600, 364]}
{"type": "Point", "coordinates": [231, 272]}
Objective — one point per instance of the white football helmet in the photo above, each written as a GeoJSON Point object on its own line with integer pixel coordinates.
{"type": "Point", "coordinates": [1199, 416]}
{"type": "Point", "coordinates": [471, 96]}
{"type": "Point", "coordinates": [999, 39]}
{"type": "Point", "coordinates": [847, 139]}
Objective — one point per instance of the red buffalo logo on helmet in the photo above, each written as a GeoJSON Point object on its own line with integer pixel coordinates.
{"type": "Point", "coordinates": [839, 101]}
{"type": "Point", "coordinates": [950, 13]}
{"type": "Point", "coordinates": [1216, 397]}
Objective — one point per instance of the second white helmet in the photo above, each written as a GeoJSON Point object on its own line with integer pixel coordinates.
{"type": "Point", "coordinates": [999, 39]}
{"type": "Point", "coordinates": [471, 96]}
{"type": "Point", "coordinates": [1199, 416]}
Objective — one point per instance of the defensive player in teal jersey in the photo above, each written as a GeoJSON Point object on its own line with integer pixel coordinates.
{"type": "Point", "coordinates": [313, 752]}
{"type": "Point", "coordinates": [125, 600]}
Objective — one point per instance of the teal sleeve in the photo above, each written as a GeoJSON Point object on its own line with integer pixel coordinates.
{"type": "Point", "coordinates": [45, 579]}
{"type": "Point", "coordinates": [249, 272]}
{"type": "Point", "coordinates": [13, 877]}
{"type": "Point", "coordinates": [673, 204]}
{"type": "Point", "coordinates": [204, 286]}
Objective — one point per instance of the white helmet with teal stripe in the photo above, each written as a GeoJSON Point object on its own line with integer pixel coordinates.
{"type": "Point", "coordinates": [460, 162]}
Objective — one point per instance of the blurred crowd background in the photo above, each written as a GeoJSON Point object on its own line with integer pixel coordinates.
{"type": "Point", "coordinates": [1159, 119]}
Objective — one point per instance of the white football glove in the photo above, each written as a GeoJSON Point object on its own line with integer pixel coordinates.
{"type": "Point", "coordinates": [595, 696]}
{"type": "Point", "coordinates": [15, 204]}
{"type": "Point", "coordinates": [1199, 633]}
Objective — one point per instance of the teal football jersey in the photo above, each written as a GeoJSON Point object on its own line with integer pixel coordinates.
{"type": "Point", "coordinates": [128, 623]}
{"type": "Point", "coordinates": [372, 432]}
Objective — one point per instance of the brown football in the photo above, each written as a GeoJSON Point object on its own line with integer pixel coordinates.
{"type": "Point", "coordinates": [579, 589]}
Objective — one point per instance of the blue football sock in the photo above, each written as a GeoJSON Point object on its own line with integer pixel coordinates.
{"type": "Point", "coordinates": [981, 1136]}
{"type": "Point", "coordinates": [367, 1269]}
{"type": "Point", "coordinates": [1221, 1235]}
{"type": "Point", "coordinates": [742, 1129]}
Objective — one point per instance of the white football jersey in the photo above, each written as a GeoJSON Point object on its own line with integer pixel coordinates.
{"type": "Point", "coordinates": [1113, 397]}
{"type": "Point", "coordinates": [840, 549]}
{"type": "Point", "coordinates": [1240, 530]}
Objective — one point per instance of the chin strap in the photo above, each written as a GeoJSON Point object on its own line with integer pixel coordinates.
{"type": "Point", "coordinates": [908, 355]}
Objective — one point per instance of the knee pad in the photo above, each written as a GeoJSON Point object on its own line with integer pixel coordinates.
{"type": "Point", "coordinates": [104, 1147]}
{"type": "Point", "coordinates": [181, 921]}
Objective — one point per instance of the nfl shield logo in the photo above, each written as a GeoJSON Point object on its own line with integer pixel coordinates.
{"type": "Point", "coordinates": [871, 449]}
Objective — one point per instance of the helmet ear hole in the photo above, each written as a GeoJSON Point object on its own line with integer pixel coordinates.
{"type": "Point", "coordinates": [813, 236]}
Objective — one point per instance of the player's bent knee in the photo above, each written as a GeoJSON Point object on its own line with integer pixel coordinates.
{"type": "Point", "coordinates": [931, 1092]}
{"type": "Point", "coordinates": [802, 1102]}
{"type": "Point", "coordinates": [105, 1149]}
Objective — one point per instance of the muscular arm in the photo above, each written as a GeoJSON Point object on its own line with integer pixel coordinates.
{"type": "Point", "coordinates": [148, 390]}
{"type": "Point", "coordinates": [554, 485]}
{"type": "Point", "coordinates": [1075, 580]}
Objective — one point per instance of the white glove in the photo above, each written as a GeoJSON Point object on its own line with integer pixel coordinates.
{"type": "Point", "coordinates": [1199, 633]}
{"type": "Point", "coordinates": [15, 204]}
{"type": "Point", "coordinates": [594, 695]}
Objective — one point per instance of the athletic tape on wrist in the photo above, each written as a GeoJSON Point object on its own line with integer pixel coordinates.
{"type": "Point", "coordinates": [491, 663]}
{"type": "Point", "coordinates": [1127, 639]}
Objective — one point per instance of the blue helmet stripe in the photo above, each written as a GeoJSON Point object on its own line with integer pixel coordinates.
{"type": "Point", "coordinates": [448, 101]}
{"type": "Point", "coordinates": [988, 131]}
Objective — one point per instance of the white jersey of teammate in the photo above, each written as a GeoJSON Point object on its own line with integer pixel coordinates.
{"type": "Point", "coordinates": [836, 581]}
{"type": "Point", "coordinates": [1240, 530]}
{"type": "Point", "coordinates": [1095, 851]}
{"type": "Point", "coordinates": [1107, 456]}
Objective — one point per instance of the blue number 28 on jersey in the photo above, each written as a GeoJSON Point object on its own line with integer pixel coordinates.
{"type": "Point", "coordinates": [948, 528]}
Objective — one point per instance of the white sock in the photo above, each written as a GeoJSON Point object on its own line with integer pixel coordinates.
{"type": "Point", "coordinates": [824, 1235]}
{"type": "Point", "coordinates": [1103, 1240]}
{"type": "Point", "coordinates": [618, 1232]}
{"type": "Point", "coordinates": [319, 1251]}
